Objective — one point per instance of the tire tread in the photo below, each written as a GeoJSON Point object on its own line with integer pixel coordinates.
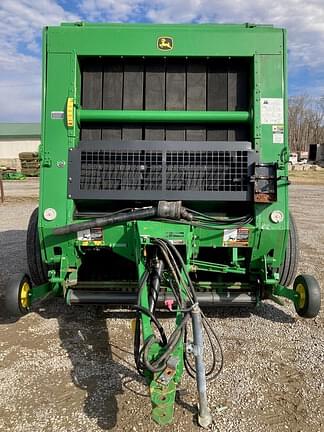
{"type": "Point", "coordinates": [37, 268]}
{"type": "Point", "coordinates": [289, 267]}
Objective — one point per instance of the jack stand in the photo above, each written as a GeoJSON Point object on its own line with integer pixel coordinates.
{"type": "Point", "coordinates": [204, 416]}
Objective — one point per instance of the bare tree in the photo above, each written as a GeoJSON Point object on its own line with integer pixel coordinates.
{"type": "Point", "coordinates": [306, 122]}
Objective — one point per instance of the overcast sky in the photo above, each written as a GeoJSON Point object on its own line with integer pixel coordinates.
{"type": "Point", "coordinates": [21, 22]}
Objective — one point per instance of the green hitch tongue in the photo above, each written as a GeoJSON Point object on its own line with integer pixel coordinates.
{"type": "Point", "coordinates": [204, 416]}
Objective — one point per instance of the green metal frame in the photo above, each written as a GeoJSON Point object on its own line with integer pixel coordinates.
{"type": "Point", "coordinates": [136, 116]}
{"type": "Point", "coordinates": [62, 48]}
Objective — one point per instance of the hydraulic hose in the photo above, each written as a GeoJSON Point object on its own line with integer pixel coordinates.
{"type": "Point", "coordinates": [158, 267]}
{"type": "Point", "coordinates": [165, 209]}
{"type": "Point", "coordinates": [145, 213]}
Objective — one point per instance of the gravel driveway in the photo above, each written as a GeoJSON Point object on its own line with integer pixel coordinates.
{"type": "Point", "coordinates": [71, 369]}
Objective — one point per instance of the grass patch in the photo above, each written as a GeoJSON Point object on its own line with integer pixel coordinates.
{"type": "Point", "coordinates": [307, 177]}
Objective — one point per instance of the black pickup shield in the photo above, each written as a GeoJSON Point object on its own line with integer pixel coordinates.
{"type": "Point", "coordinates": [161, 170]}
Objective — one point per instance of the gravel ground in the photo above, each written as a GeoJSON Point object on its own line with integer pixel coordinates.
{"type": "Point", "coordinates": [71, 369]}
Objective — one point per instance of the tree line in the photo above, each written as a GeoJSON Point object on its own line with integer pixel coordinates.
{"type": "Point", "coordinates": [305, 121]}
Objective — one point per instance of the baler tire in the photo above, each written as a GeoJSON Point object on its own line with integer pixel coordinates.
{"type": "Point", "coordinates": [310, 292]}
{"type": "Point", "coordinates": [37, 268]}
{"type": "Point", "coordinates": [16, 295]}
{"type": "Point", "coordinates": [289, 267]}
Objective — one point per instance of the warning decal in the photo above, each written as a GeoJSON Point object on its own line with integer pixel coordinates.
{"type": "Point", "coordinates": [278, 134]}
{"type": "Point", "coordinates": [91, 235]}
{"type": "Point", "coordinates": [272, 111]}
{"type": "Point", "coordinates": [238, 237]}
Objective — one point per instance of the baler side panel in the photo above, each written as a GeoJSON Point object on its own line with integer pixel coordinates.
{"type": "Point", "coordinates": [60, 82]}
{"type": "Point", "coordinates": [270, 83]}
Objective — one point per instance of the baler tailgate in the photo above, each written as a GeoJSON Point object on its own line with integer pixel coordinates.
{"type": "Point", "coordinates": [166, 84]}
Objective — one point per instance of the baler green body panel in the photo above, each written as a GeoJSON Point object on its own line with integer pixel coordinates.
{"type": "Point", "coordinates": [64, 47]}
{"type": "Point", "coordinates": [134, 115]}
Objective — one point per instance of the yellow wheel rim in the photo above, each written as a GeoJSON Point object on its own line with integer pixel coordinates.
{"type": "Point", "coordinates": [302, 295]}
{"type": "Point", "coordinates": [24, 295]}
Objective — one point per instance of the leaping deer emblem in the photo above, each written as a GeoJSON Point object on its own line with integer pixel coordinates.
{"type": "Point", "coordinates": [165, 43]}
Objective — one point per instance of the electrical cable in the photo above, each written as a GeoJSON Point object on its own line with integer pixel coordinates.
{"type": "Point", "coordinates": [198, 224]}
{"type": "Point", "coordinates": [218, 220]}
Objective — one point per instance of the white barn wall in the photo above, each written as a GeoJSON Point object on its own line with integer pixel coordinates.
{"type": "Point", "coordinates": [10, 148]}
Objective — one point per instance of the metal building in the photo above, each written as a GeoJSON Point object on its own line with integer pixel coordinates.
{"type": "Point", "coordinates": [16, 138]}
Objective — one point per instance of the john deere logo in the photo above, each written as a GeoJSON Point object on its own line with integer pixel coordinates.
{"type": "Point", "coordinates": [165, 43]}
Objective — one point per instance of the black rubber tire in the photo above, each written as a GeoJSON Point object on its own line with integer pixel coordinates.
{"type": "Point", "coordinates": [37, 268]}
{"type": "Point", "coordinates": [289, 267]}
{"type": "Point", "coordinates": [12, 295]}
{"type": "Point", "coordinates": [312, 304]}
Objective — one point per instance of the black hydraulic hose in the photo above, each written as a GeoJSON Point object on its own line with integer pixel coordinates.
{"type": "Point", "coordinates": [174, 268]}
{"type": "Point", "coordinates": [145, 213]}
{"type": "Point", "coordinates": [171, 267]}
{"type": "Point", "coordinates": [155, 284]}
{"type": "Point", "coordinates": [160, 364]}
{"type": "Point", "coordinates": [165, 209]}
{"type": "Point", "coordinates": [154, 369]}
{"type": "Point", "coordinates": [137, 333]}
{"type": "Point", "coordinates": [174, 339]}
{"type": "Point", "coordinates": [156, 322]}
{"type": "Point", "coordinates": [177, 253]}
{"type": "Point", "coordinates": [211, 373]}
{"type": "Point", "coordinates": [173, 258]}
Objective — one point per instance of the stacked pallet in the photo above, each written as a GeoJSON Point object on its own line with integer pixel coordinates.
{"type": "Point", "coordinates": [29, 163]}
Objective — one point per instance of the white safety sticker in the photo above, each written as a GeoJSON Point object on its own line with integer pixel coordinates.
{"type": "Point", "coordinates": [272, 111]}
{"type": "Point", "coordinates": [236, 237]}
{"type": "Point", "coordinates": [278, 134]}
{"type": "Point", "coordinates": [93, 234]}
{"type": "Point", "coordinates": [57, 115]}
{"type": "Point", "coordinates": [84, 235]}
{"type": "Point", "coordinates": [230, 236]}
